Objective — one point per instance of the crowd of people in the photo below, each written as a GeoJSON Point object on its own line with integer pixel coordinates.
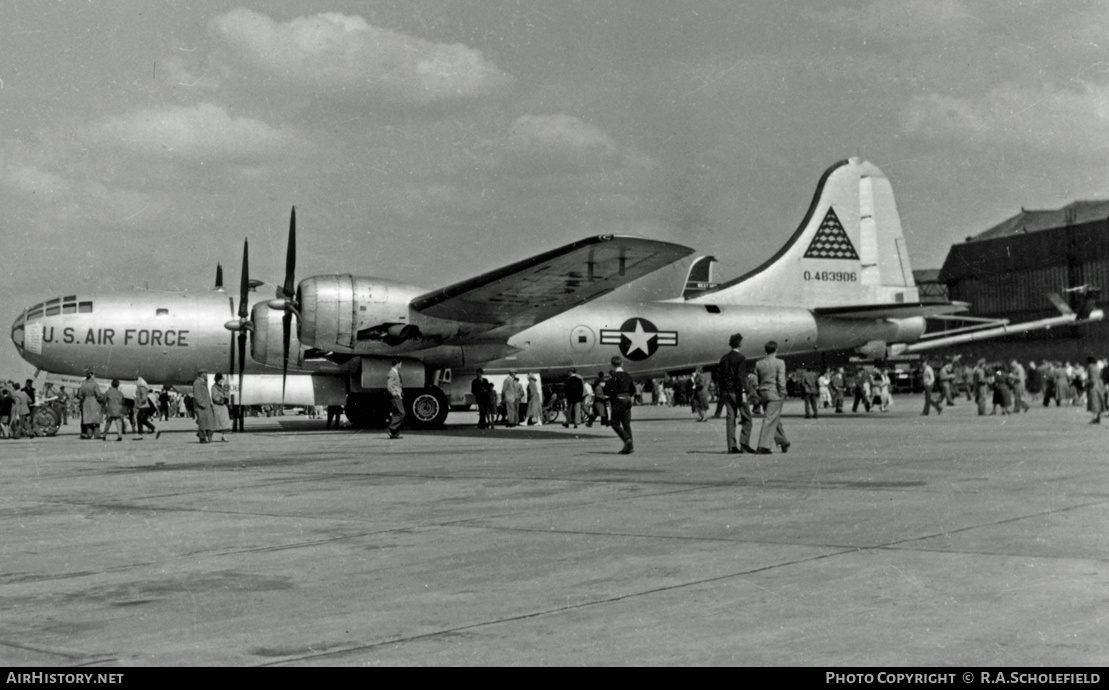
{"type": "Point", "coordinates": [994, 387]}
{"type": "Point", "coordinates": [746, 392]}
{"type": "Point", "coordinates": [100, 410]}
{"type": "Point", "coordinates": [15, 409]}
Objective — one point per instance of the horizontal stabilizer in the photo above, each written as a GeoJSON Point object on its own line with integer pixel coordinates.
{"type": "Point", "coordinates": [892, 311]}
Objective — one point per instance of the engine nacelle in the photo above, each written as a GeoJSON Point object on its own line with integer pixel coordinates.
{"type": "Point", "coordinates": [265, 341]}
{"type": "Point", "coordinates": [345, 313]}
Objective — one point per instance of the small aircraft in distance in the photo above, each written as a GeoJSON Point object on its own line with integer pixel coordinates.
{"type": "Point", "coordinates": [841, 282]}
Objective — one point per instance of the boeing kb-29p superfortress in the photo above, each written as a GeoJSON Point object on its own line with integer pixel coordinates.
{"type": "Point", "coordinates": [842, 281]}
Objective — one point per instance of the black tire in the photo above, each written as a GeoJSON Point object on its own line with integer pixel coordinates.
{"type": "Point", "coordinates": [45, 421]}
{"type": "Point", "coordinates": [427, 408]}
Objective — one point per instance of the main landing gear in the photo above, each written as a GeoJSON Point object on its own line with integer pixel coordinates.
{"type": "Point", "coordinates": [425, 408]}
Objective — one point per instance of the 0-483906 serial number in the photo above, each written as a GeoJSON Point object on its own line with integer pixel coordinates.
{"type": "Point", "coordinates": [831, 276]}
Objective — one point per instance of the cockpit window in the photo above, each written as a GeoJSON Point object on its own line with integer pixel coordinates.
{"type": "Point", "coordinates": [58, 305]}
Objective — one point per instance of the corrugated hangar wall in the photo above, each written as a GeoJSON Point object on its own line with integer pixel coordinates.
{"type": "Point", "coordinates": [1009, 277]}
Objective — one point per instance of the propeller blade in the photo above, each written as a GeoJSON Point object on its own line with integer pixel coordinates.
{"type": "Point", "coordinates": [244, 291]}
{"type": "Point", "coordinates": [286, 323]}
{"type": "Point", "coordinates": [291, 255]}
{"type": "Point", "coordinates": [287, 290]}
{"type": "Point", "coordinates": [242, 363]}
{"type": "Point", "coordinates": [219, 276]}
{"type": "Point", "coordinates": [231, 348]}
{"type": "Point", "coordinates": [244, 282]}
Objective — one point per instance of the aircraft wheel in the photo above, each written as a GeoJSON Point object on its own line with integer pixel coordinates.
{"type": "Point", "coordinates": [427, 408]}
{"type": "Point", "coordinates": [367, 411]}
{"type": "Point", "coordinates": [45, 421]}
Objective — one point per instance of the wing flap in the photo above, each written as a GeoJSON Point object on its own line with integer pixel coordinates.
{"type": "Point", "coordinates": [535, 289]}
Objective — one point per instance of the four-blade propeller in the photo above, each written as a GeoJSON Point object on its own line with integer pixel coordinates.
{"type": "Point", "coordinates": [243, 323]}
{"type": "Point", "coordinates": [286, 298]}
{"type": "Point", "coordinates": [285, 301]}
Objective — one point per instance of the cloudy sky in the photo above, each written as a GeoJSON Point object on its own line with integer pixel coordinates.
{"type": "Point", "coordinates": [431, 140]}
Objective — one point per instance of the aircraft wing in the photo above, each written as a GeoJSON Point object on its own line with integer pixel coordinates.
{"type": "Point", "coordinates": [892, 311]}
{"type": "Point", "coordinates": [527, 292]}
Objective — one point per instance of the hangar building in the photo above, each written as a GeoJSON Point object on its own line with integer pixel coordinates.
{"type": "Point", "coordinates": [1007, 271]}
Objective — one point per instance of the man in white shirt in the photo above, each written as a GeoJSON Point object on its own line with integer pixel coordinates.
{"type": "Point", "coordinates": [396, 392]}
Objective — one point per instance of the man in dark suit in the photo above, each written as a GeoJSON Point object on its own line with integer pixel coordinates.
{"type": "Point", "coordinates": [862, 389]}
{"type": "Point", "coordinates": [575, 394]}
{"type": "Point", "coordinates": [620, 391]}
{"type": "Point", "coordinates": [732, 385]}
{"type": "Point", "coordinates": [481, 397]}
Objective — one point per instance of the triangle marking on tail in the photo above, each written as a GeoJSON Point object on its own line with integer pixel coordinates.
{"type": "Point", "coordinates": [831, 240]}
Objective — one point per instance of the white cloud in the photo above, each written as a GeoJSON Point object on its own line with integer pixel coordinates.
{"type": "Point", "coordinates": [204, 130]}
{"type": "Point", "coordinates": [68, 204]}
{"type": "Point", "coordinates": [35, 182]}
{"type": "Point", "coordinates": [332, 52]}
{"type": "Point", "coordinates": [1065, 120]}
{"type": "Point", "coordinates": [545, 144]}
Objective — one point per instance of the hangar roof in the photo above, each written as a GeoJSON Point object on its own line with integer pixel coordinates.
{"type": "Point", "coordinates": [1074, 213]}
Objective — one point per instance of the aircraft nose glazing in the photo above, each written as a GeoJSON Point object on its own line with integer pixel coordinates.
{"type": "Point", "coordinates": [18, 329]}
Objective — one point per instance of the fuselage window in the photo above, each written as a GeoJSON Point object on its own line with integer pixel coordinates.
{"type": "Point", "coordinates": [162, 313]}
{"type": "Point", "coordinates": [84, 307]}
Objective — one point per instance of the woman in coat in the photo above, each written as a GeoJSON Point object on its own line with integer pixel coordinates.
{"type": "Point", "coordinates": [1095, 390]}
{"type": "Point", "coordinates": [535, 402]}
{"type": "Point", "coordinates": [92, 414]}
{"type": "Point", "coordinates": [202, 406]}
{"type": "Point", "coordinates": [221, 398]}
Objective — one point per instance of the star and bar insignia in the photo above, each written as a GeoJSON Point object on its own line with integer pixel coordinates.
{"type": "Point", "coordinates": [638, 338]}
{"type": "Point", "coordinates": [831, 240]}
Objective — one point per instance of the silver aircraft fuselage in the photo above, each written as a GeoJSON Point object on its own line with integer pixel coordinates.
{"type": "Point", "coordinates": [164, 337]}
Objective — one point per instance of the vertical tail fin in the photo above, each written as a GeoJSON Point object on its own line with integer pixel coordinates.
{"type": "Point", "coordinates": [699, 279]}
{"type": "Point", "coordinates": [849, 250]}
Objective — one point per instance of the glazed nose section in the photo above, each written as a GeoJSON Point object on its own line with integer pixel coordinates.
{"type": "Point", "coordinates": [19, 334]}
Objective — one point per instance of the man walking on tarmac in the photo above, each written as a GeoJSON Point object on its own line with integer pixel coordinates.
{"type": "Point", "coordinates": [733, 383]}
{"type": "Point", "coordinates": [620, 391]}
{"type": "Point", "coordinates": [396, 392]}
